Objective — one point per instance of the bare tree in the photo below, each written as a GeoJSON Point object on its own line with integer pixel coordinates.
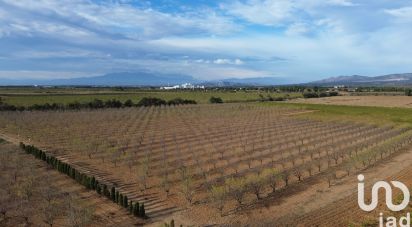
{"type": "Point", "coordinates": [52, 206]}
{"type": "Point", "coordinates": [273, 176]}
{"type": "Point", "coordinates": [187, 188]}
{"type": "Point", "coordinates": [285, 177]}
{"type": "Point", "coordinates": [143, 171]}
{"type": "Point", "coordinates": [78, 214]}
{"type": "Point", "coordinates": [330, 177]}
{"type": "Point", "coordinates": [256, 183]}
{"type": "Point", "coordinates": [236, 187]}
{"type": "Point", "coordinates": [217, 196]}
{"type": "Point", "coordinates": [298, 173]}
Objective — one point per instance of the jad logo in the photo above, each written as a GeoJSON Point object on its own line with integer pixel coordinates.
{"type": "Point", "coordinates": [390, 221]}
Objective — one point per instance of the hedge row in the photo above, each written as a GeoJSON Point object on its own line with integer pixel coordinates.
{"type": "Point", "coordinates": [319, 95]}
{"type": "Point", "coordinates": [89, 182]}
{"type": "Point", "coordinates": [97, 104]}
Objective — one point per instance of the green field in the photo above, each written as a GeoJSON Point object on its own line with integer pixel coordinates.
{"type": "Point", "coordinates": [26, 98]}
{"type": "Point", "coordinates": [374, 115]}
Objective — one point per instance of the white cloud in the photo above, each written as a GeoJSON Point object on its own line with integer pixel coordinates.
{"type": "Point", "coordinates": [238, 62]}
{"type": "Point", "coordinates": [224, 61]}
{"type": "Point", "coordinates": [297, 29]}
{"type": "Point", "coordinates": [341, 3]}
{"type": "Point", "coordinates": [401, 13]}
{"type": "Point", "coordinates": [323, 55]}
{"type": "Point", "coordinates": [314, 37]}
{"type": "Point", "coordinates": [265, 12]}
{"type": "Point", "coordinates": [125, 19]}
{"type": "Point", "coordinates": [279, 12]}
{"type": "Point", "coordinates": [69, 53]}
{"type": "Point", "coordinates": [30, 74]}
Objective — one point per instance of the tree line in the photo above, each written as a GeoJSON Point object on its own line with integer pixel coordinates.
{"type": "Point", "coordinates": [97, 104]}
{"type": "Point", "coordinates": [315, 94]}
{"type": "Point", "coordinates": [90, 182]}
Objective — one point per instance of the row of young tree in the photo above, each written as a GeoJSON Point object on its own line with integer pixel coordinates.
{"type": "Point", "coordinates": [135, 208]}
{"type": "Point", "coordinates": [236, 188]}
{"type": "Point", "coordinates": [97, 104]}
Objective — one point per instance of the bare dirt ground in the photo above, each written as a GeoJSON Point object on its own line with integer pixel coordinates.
{"type": "Point", "coordinates": [384, 101]}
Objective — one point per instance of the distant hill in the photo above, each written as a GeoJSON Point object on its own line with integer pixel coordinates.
{"type": "Point", "coordinates": [155, 79]}
{"type": "Point", "coordinates": [145, 79]}
{"type": "Point", "coordinates": [255, 81]}
{"type": "Point", "coordinates": [112, 79]}
{"type": "Point", "coordinates": [403, 79]}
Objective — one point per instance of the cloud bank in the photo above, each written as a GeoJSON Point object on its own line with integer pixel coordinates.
{"type": "Point", "coordinates": [298, 40]}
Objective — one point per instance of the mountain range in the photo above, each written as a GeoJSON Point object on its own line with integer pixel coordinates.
{"type": "Point", "coordinates": [401, 79]}
{"type": "Point", "coordinates": [144, 79]}
{"type": "Point", "coordinates": [151, 79]}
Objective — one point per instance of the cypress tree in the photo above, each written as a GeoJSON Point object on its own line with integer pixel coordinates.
{"type": "Point", "coordinates": [98, 189]}
{"type": "Point", "coordinates": [105, 191]}
{"type": "Point", "coordinates": [125, 202]}
{"type": "Point", "coordinates": [136, 209]}
{"type": "Point", "coordinates": [96, 182]}
{"type": "Point", "coordinates": [142, 212]}
{"type": "Point", "coordinates": [131, 207]}
{"type": "Point", "coordinates": [92, 183]}
{"type": "Point", "coordinates": [117, 197]}
{"type": "Point", "coordinates": [121, 200]}
{"type": "Point", "coordinates": [172, 223]}
{"type": "Point", "coordinates": [113, 195]}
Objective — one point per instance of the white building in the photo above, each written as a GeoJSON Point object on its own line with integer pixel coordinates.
{"type": "Point", "coordinates": [183, 86]}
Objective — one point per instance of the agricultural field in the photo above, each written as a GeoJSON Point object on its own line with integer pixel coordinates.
{"type": "Point", "coordinates": [239, 163]}
{"type": "Point", "coordinates": [31, 194]}
{"type": "Point", "coordinates": [28, 97]}
{"type": "Point", "coordinates": [362, 100]}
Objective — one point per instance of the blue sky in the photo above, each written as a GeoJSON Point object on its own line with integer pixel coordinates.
{"type": "Point", "coordinates": [298, 40]}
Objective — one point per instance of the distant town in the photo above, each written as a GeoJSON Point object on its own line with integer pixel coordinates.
{"type": "Point", "coordinates": [183, 86]}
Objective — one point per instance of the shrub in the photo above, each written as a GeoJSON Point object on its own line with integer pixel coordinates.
{"type": "Point", "coordinates": [180, 101]}
{"type": "Point", "coordinates": [323, 94]}
{"type": "Point", "coordinates": [148, 101]}
{"type": "Point", "coordinates": [96, 104]}
{"type": "Point", "coordinates": [113, 103]}
{"type": "Point", "coordinates": [215, 100]}
{"type": "Point", "coordinates": [128, 103]}
{"type": "Point", "coordinates": [308, 95]}
{"type": "Point", "coordinates": [333, 93]}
